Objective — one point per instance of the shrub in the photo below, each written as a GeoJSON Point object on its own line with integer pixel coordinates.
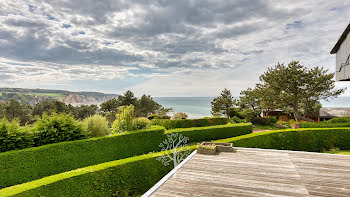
{"type": "Point", "coordinates": [248, 114]}
{"type": "Point", "coordinates": [123, 121]}
{"type": "Point", "coordinates": [187, 123]}
{"type": "Point", "coordinates": [127, 177]}
{"type": "Point", "coordinates": [236, 119]}
{"type": "Point", "coordinates": [324, 124]}
{"type": "Point", "coordinates": [96, 126]}
{"type": "Point", "coordinates": [267, 120]}
{"type": "Point", "coordinates": [179, 116]}
{"type": "Point", "coordinates": [339, 120]}
{"type": "Point", "coordinates": [141, 123]}
{"type": "Point", "coordinates": [154, 116]}
{"type": "Point", "coordinates": [198, 134]}
{"type": "Point", "coordinates": [57, 128]}
{"type": "Point", "coordinates": [13, 137]}
{"type": "Point", "coordinates": [164, 117]}
{"type": "Point", "coordinates": [33, 163]}
{"type": "Point", "coordinates": [311, 139]}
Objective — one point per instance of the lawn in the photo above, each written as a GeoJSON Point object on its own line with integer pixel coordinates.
{"type": "Point", "coordinates": [264, 127]}
{"type": "Point", "coordinates": [341, 152]}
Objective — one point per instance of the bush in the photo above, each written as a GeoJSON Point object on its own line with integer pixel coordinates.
{"type": "Point", "coordinates": [236, 119]}
{"type": "Point", "coordinates": [324, 124]}
{"type": "Point", "coordinates": [127, 177]}
{"type": "Point", "coordinates": [141, 123]}
{"type": "Point", "coordinates": [339, 120]}
{"type": "Point", "coordinates": [96, 126]}
{"type": "Point", "coordinates": [198, 134]}
{"type": "Point", "coordinates": [57, 128]}
{"type": "Point", "coordinates": [33, 163]}
{"type": "Point", "coordinates": [164, 117]}
{"type": "Point", "coordinates": [187, 123]}
{"type": "Point", "coordinates": [179, 116]}
{"type": "Point", "coordinates": [248, 114]}
{"type": "Point", "coordinates": [267, 120]}
{"type": "Point", "coordinates": [154, 116]}
{"type": "Point", "coordinates": [311, 139]}
{"type": "Point", "coordinates": [13, 137]}
{"type": "Point", "coordinates": [123, 121]}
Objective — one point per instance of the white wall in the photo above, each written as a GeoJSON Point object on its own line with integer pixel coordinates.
{"type": "Point", "coordinates": [342, 56]}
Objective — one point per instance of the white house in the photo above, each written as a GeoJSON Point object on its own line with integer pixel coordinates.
{"type": "Point", "coordinates": [342, 51]}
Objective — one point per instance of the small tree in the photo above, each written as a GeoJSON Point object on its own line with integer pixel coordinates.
{"type": "Point", "coordinates": [124, 117]}
{"type": "Point", "coordinates": [222, 104]}
{"type": "Point", "coordinates": [176, 146]}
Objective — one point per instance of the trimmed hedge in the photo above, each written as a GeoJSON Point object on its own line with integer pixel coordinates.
{"type": "Point", "coordinates": [22, 165]}
{"type": "Point", "coordinates": [323, 125]}
{"type": "Point", "coordinates": [267, 120]}
{"type": "Point", "coordinates": [33, 163]}
{"type": "Point", "coordinates": [126, 177]}
{"type": "Point", "coordinates": [311, 139]}
{"type": "Point", "coordinates": [187, 123]}
{"type": "Point", "coordinates": [198, 134]}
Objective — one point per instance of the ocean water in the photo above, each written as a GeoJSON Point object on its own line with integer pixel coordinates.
{"type": "Point", "coordinates": [198, 107]}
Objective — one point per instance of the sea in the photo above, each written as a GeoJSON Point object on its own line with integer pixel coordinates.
{"type": "Point", "coordinates": [199, 107]}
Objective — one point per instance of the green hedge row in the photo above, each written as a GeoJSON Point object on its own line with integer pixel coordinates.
{"type": "Point", "coordinates": [310, 139]}
{"type": "Point", "coordinates": [126, 177]}
{"type": "Point", "coordinates": [187, 123]}
{"type": "Point", "coordinates": [324, 125]}
{"type": "Point", "coordinates": [29, 164]}
{"type": "Point", "coordinates": [33, 163]}
{"type": "Point", "coordinates": [47, 130]}
{"type": "Point", "coordinates": [197, 134]}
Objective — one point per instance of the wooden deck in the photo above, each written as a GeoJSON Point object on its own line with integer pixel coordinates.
{"type": "Point", "coordinates": [259, 172]}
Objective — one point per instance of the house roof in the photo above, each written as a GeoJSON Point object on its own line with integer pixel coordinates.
{"type": "Point", "coordinates": [330, 112]}
{"type": "Point", "coordinates": [341, 40]}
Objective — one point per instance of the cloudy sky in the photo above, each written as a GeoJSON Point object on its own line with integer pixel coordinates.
{"type": "Point", "coordinates": [162, 48]}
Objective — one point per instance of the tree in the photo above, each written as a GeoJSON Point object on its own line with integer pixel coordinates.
{"type": "Point", "coordinates": [83, 111]}
{"type": "Point", "coordinates": [295, 86]}
{"type": "Point", "coordinates": [49, 106]}
{"type": "Point", "coordinates": [15, 109]}
{"type": "Point", "coordinates": [250, 99]}
{"type": "Point", "coordinates": [148, 105]}
{"type": "Point", "coordinates": [222, 104]}
{"type": "Point", "coordinates": [124, 117]}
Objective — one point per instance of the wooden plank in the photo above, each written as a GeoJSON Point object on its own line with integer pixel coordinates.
{"type": "Point", "coordinates": [259, 172]}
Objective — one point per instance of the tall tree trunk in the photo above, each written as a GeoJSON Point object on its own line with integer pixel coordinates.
{"type": "Point", "coordinates": [296, 113]}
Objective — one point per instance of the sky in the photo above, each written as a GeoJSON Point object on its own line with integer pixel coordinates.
{"type": "Point", "coordinates": [163, 48]}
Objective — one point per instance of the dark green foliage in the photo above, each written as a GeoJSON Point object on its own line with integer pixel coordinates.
{"type": "Point", "coordinates": [339, 120]}
{"type": "Point", "coordinates": [33, 163]}
{"type": "Point", "coordinates": [13, 137]}
{"type": "Point", "coordinates": [236, 119]}
{"type": "Point", "coordinates": [83, 111]}
{"type": "Point", "coordinates": [154, 116]}
{"type": "Point", "coordinates": [267, 120]}
{"type": "Point", "coordinates": [324, 124]}
{"type": "Point", "coordinates": [13, 109]}
{"type": "Point", "coordinates": [49, 106]}
{"type": "Point", "coordinates": [57, 128]}
{"type": "Point", "coordinates": [187, 123]}
{"type": "Point", "coordinates": [129, 179]}
{"type": "Point", "coordinates": [198, 134]}
{"type": "Point", "coordinates": [313, 140]}
{"type": "Point", "coordinates": [222, 104]}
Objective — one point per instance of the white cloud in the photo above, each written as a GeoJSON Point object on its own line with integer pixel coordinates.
{"type": "Point", "coordinates": [178, 48]}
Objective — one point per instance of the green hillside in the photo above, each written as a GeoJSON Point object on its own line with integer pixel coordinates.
{"type": "Point", "coordinates": [31, 95]}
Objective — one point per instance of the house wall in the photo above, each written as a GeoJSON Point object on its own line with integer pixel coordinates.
{"type": "Point", "coordinates": [341, 58]}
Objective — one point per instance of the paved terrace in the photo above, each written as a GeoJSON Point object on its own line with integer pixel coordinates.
{"type": "Point", "coordinates": [259, 172]}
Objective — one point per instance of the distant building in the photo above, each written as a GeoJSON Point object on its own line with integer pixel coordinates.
{"type": "Point", "coordinates": [342, 51]}
{"type": "Point", "coordinates": [327, 113]}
